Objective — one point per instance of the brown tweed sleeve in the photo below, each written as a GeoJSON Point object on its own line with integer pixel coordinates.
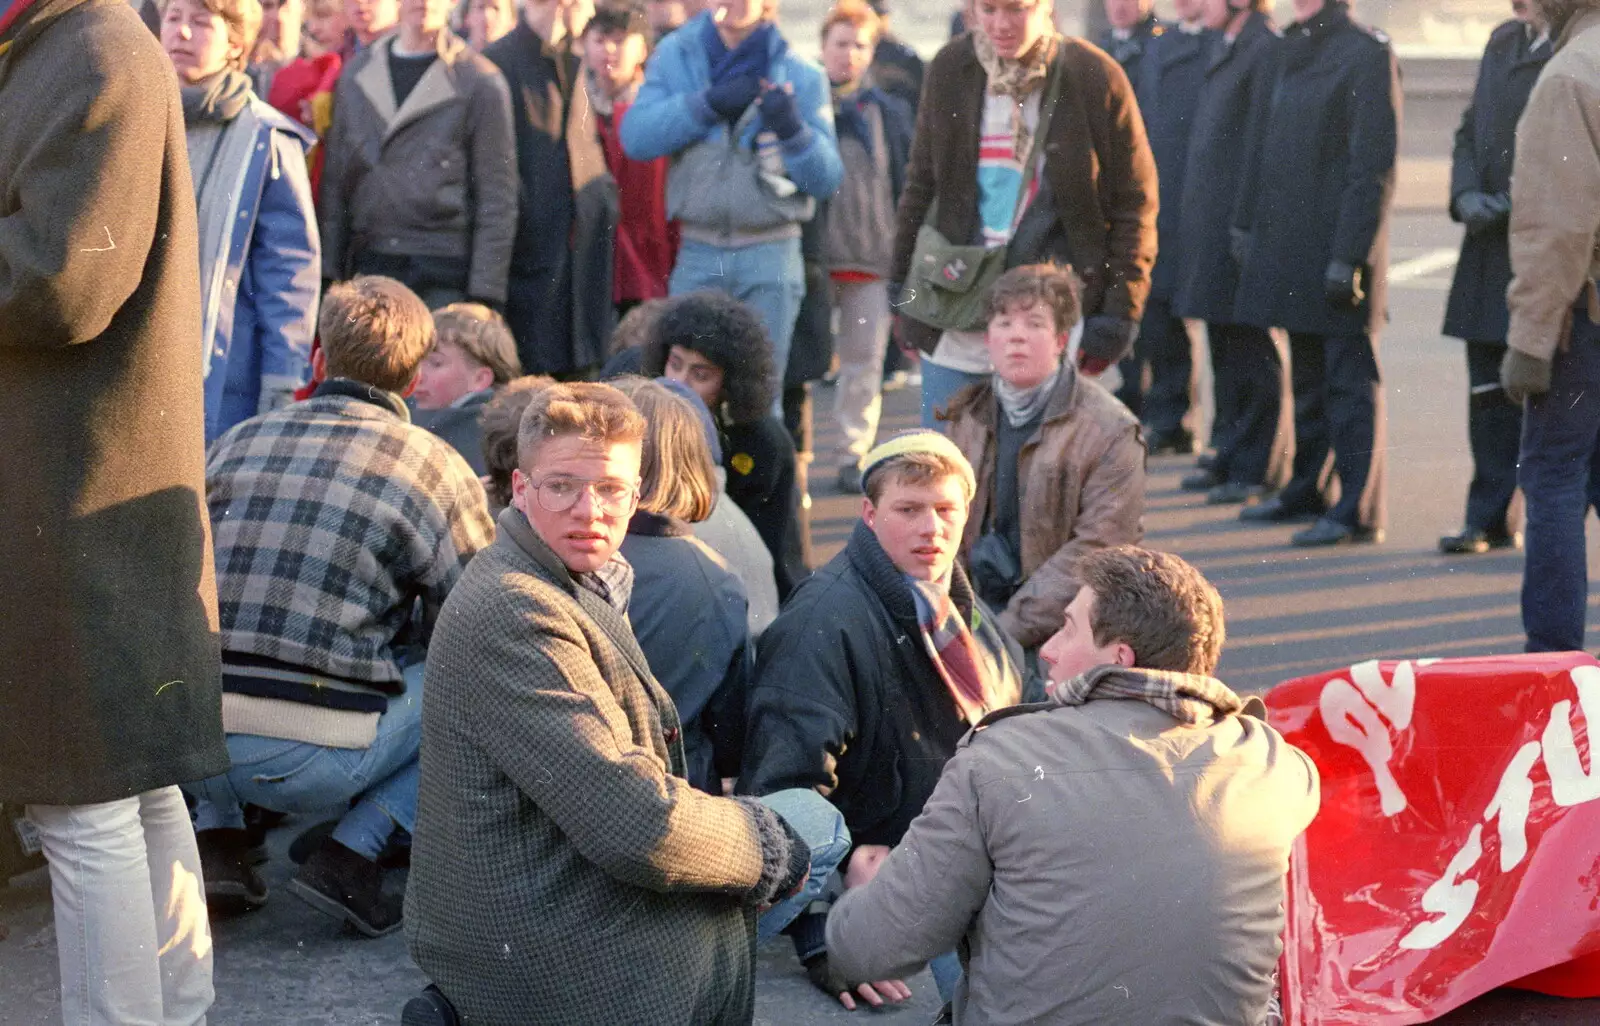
{"type": "Point", "coordinates": [550, 720]}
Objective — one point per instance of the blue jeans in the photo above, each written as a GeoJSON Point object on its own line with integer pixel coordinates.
{"type": "Point", "coordinates": [292, 776]}
{"type": "Point", "coordinates": [938, 385]}
{"type": "Point", "coordinates": [819, 824]}
{"type": "Point", "coordinates": [769, 277]}
{"type": "Point", "coordinates": [1558, 474]}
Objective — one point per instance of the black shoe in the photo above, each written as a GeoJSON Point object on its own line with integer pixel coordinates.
{"type": "Point", "coordinates": [309, 840]}
{"type": "Point", "coordinates": [1473, 542]}
{"type": "Point", "coordinates": [1233, 494]}
{"type": "Point", "coordinates": [1275, 511]}
{"type": "Point", "coordinates": [1207, 461]}
{"type": "Point", "coordinates": [1199, 481]}
{"type": "Point", "coordinates": [430, 1008]}
{"type": "Point", "coordinates": [1169, 443]}
{"type": "Point", "coordinates": [337, 881]}
{"type": "Point", "coordinates": [1328, 531]}
{"type": "Point", "coordinates": [228, 861]}
{"type": "Point", "coordinates": [850, 479]}
{"type": "Point", "coordinates": [257, 821]}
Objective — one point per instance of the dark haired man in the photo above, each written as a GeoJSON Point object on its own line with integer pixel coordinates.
{"type": "Point", "coordinates": [1059, 462]}
{"type": "Point", "coordinates": [337, 521]}
{"type": "Point", "coordinates": [718, 347]}
{"type": "Point", "coordinates": [1162, 898]}
{"type": "Point", "coordinates": [876, 667]}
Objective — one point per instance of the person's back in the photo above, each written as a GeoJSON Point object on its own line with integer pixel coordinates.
{"type": "Point", "coordinates": [1116, 854]}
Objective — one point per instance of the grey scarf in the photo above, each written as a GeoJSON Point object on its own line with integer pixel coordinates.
{"type": "Point", "coordinates": [219, 98]}
{"type": "Point", "coordinates": [1189, 698]}
{"type": "Point", "coordinates": [1021, 405]}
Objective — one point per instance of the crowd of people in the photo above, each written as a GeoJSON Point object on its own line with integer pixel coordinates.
{"type": "Point", "coordinates": [475, 532]}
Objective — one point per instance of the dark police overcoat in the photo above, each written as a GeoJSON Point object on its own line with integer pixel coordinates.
{"type": "Point", "coordinates": [1168, 87]}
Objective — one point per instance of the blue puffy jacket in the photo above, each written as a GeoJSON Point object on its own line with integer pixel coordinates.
{"type": "Point", "coordinates": [261, 349]}
{"type": "Point", "coordinates": [671, 113]}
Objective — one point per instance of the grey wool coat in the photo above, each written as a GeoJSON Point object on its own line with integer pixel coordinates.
{"type": "Point", "coordinates": [109, 675]}
{"type": "Point", "coordinates": [563, 870]}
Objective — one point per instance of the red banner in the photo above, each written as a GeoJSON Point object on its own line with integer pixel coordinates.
{"type": "Point", "coordinates": [1458, 844]}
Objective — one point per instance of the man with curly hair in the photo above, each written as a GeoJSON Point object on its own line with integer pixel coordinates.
{"type": "Point", "coordinates": [718, 347]}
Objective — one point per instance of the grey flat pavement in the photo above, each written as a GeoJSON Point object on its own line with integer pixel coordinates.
{"type": "Point", "coordinates": [1289, 613]}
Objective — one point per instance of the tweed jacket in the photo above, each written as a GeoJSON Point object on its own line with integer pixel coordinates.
{"type": "Point", "coordinates": [1097, 165]}
{"type": "Point", "coordinates": [334, 517]}
{"type": "Point", "coordinates": [563, 870]}
{"type": "Point", "coordinates": [108, 650]}
{"type": "Point", "coordinates": [1081, 478]}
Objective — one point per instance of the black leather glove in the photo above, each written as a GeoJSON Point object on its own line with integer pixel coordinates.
{"type": "Point", "coordinates": [1238, 245]}
{"type": "Point", "coordinates": [1342, 285]}
{"type": "Point", "coordinates": [1522, 376]}
{"type": "Point", "coordinates": [778, 112]}
{"type": "Point", "coordinates": [732, 95]}
{"type": "Point", "coordinates": [1481, 211]}
{"type": "Point", "coordinates": [1106, 339]}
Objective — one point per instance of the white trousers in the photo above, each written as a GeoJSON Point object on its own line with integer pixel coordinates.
{"type": "Point", "coordinates": [130, 910]}
{"type": "Point", "coordinates": [860, 338]}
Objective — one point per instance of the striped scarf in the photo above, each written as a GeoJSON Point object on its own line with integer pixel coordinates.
{"type": "Point", "coordinates": [967, 670]}
{"type": "Point", "coordinates": [1190, 698]}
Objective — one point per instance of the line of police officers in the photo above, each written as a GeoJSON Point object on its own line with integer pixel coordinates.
{"type": "Point", "coordinates": [1277, 157]}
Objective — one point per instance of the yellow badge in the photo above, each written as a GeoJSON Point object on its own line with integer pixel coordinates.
{"type": "Point", "coordinates": [743, 463]}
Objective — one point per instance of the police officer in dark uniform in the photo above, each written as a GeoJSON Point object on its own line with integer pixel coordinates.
{"type": "Point", "coordinates": [1480, 199]}
{"type": "Point", "coordinates": [1167, 80]}
{"type": "Point", "coordinates": [1315, 253]}
{"type": "Point", "coordinates": [1218, 189]}
{"type": "Point", "coordinates": [1133, 24]}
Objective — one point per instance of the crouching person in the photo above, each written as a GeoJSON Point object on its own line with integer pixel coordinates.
{"type": "Point", "coordinates": [563, 869]}
{"type": "Point", "coordinates": [875, 669]}
{"type": "Point", "coordinates": [1115, 854]}
{"type": "Point", "coordinates": [1059, 461]}
{"type": "Point", "coordinates": [339, 529]}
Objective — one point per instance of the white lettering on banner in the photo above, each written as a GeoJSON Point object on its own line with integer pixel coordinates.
{"type": "Point", "coordinates": [1451, 897]}
{"type": "Point", "coordinates": [1569, 784]}
{"type": "Point", "coordinates": [1355, 718]}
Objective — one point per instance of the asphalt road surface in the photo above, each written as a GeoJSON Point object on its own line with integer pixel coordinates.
{"type": "Point", "coordinates": [1289, 613]}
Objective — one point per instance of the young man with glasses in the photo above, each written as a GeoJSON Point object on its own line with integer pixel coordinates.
{"type": "Point", "coordinates": [564, 870]}
{"type": "Point", "coordinates": [339, 528]}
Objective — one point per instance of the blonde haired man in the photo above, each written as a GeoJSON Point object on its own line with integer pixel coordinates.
{"type": "Point", "coordinates": [473, 355]}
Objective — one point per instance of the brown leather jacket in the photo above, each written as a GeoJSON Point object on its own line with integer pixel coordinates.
{"type": "Point", "coordinates": [1082, 487]}
{"type": "Point", "coordinates": [435, 178]}
{"type": "Point", "coordinates": [1097, 164]}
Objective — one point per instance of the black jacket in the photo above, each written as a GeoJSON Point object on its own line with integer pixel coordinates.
{"type": "Point", "coordinates": [759, 458]}
{"type": "Point", "coordinates": [1485, 145]}
{"type": "Point", "coordinates": [847, 698]}
{"type": "Point", "coordinates": [558, 158]}
{"type": "Point", "coordinates": [1130, 52]}
{"type": "Point", "coordinates": [1326, 177]}
{"type": "Point", "coordinates": [1218, 183]}
{"type": "Point", "coordinates": [1168, 87]}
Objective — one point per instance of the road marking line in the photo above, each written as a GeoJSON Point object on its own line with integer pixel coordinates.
{"type": "Point", "coordinates": [1424, 265]}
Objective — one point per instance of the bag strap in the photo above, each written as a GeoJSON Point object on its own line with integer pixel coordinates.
{"type": "Point", "coordinates": [1047, 110]}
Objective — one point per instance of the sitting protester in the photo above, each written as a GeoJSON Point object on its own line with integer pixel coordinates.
{"type": "Point", "coordinates": [1114, 855]}
{"type": "Point", "coordinates": [689, 609]}
{"type": "Point", "coordinates": [501, 420]}
{"type": "Point", "coordinates": [563, 870]}
{"type": "Point", "coordinates": [716, 345]}
{"type": "Point", "coordinates": [877, 667]}
{"type": "Point", "coordinates": [473, 354]}
{"type": "Point", "coordinates": [260, 254]}
{"type": "Point", "coordinates": [1060, 462]}
{"type": "Point", "coordinates": [339, 529]}
{"type": "Point", "coordinates": [728, 532]}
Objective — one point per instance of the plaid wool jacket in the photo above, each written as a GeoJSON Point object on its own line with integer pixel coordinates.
{"type": "Point", "coordinates": [336, 520]}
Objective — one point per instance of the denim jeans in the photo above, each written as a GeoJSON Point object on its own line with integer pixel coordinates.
{"type": "Point", "coordinates": [131, 930]}
{"type": "Point", "coordinates": [1558, 474]}
{"type": "Point", "coordinates": [938, 385]}
{"type": "Point", "coordinates": [769, 277]}
{"type": "Point", "coordinates": [821, 826]}
{"type": "Point", "coordinates": [291, 776]}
